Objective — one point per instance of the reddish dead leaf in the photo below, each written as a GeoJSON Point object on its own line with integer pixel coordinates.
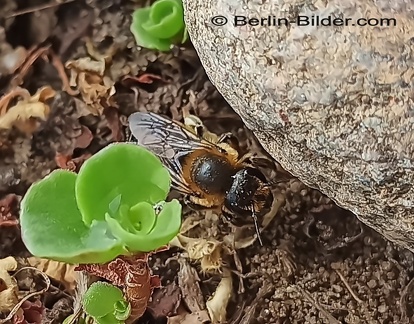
{"type": "Point", "coordinates": [146, 78]}
{"type": "Point", "coordinates": [8, 210]}
{"type": "Point", "coordinates": [29, 313]}
{"type": "Point", "coordinates": [165, 301]}
{"type": "Point", "coordinates": [133, 275]}
{"type": "Point", "coordinates": [84, 139]}
{"type": "Point", "coordinates": [66, 161]}
{"type": "Point", "coordinates": [112, 116]}
{"type": "Point", "coordinates": [57, 63]}
{"type": "Point", "coordinates": [69, 163]}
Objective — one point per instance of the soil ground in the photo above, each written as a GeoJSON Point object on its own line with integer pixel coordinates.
{"type": "Point", "coordinates": [318, 263]}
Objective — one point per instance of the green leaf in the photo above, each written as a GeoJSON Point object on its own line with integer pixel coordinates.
{"type": "Point", "coordinates": [159, 26]}
{"type": "Point", "coordinates": [52, 225]}
{"type": "Point", "coordinates": [166, 19]}
{"type": "Point", "coordinates": [120, 170]}
{"type": "Point", "coordinates": [122, 310]}
{"type": "Point", "coordinates": [101, 298]}
{"type": "Point", "coordinates": [167, 226]}
{"type": "Point", "coordinates": [105, 211]}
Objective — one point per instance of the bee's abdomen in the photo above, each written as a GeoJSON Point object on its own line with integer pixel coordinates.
{"type": "Point", "coordinates": [212, 173]}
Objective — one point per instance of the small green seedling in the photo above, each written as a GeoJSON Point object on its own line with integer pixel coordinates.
{"type": "Point", "coordinates": [160, 26]}
{"type": "Point", "coordinates": [106, 304]}
{"type": "Point", "coordinates": [114, 206]}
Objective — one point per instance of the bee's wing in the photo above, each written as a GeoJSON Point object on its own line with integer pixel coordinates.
{"type": "Point", "coordinates": [168, 140]}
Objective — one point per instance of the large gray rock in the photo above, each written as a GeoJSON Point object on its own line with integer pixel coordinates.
{"type": "Point", "coordinates": [334, 105]}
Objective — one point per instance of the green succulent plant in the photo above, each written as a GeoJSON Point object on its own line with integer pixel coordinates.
{"type": "Point", "coordinates": [106, 304]}
{"type": "Point", "coordinates": [160, 25]}
{"type": "Point", "coordinates": [110, 208]}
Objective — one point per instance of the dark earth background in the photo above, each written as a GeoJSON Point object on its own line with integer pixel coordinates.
{"type": "Point", "coordinates": [342, 271]}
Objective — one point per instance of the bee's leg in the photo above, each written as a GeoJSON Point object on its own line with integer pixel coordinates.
{"type": "Point", "coordinates": [230, 139]}
{"type": "Point", "coordinates": [247, 158]}
{"type": "Point", "coordinates": [227, 215]}
{"type": "Point", "coordinates": [193, 123]}
{"type": "Point", "coordinates": [197, 203]}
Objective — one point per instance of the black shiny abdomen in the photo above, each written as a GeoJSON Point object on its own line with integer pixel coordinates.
{"type": "Point", "coordinates": [213, 174]}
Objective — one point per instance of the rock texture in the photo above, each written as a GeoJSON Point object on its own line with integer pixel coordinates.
{"type": "Point", "coordinates": [334, 105]}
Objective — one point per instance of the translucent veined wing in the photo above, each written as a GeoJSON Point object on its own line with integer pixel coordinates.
{"type": "Point", "coordinates": [167, 139]}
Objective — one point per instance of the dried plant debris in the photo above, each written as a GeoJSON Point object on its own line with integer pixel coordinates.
{"type": "Point", "coordinates": [29, 313]}
{"type": "Point", "coordinates": [25, 111]}
{"type": "Point", "coordinates": [62, 272]}
{"type": "Point", "coordinates": [9, 289]}
{"type": "Point", "coordinates": [217, 305]}
{"type": "Point", "coordinates": [165, 301]}
{"type": "Point", "coordinates": [89, 78]}
{"type": "Point", "coordinates": [189, 283]}
{"type": "Point", "coordinates": [9, 210]}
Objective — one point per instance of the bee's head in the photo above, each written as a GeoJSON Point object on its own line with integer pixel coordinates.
{"type": "Point", "coordinates": [249, 196]}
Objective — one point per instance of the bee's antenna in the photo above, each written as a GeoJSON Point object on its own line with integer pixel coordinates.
{"type": "Point", "coordinates": [256, 225]}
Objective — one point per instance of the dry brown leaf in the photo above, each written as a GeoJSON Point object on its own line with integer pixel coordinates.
{"type": "Point", "coordinates": [65, 273]}
{"type": "Point", "coordinates": [8, 285]}
{"type": "Point", "coordinates": [88, 77]}
{"type": "Point", "coordinates": [217, 305]}
{"type": "Point", "coordinates": [131, 273]}
{"type": "Point", "coordinates": [8, 210]}
{"type": "Point", "coordinates": [23, 114]}
{"type": "Point", "coordinates": [187, 318]}
{"type": "Point", "coordinates": [30, 313]}
{"type": "Point", "coordinates": [165, 301]}
{"type": "Point", "coordinates": [189, 283]}
{"type": "Point", "coordinates": [208, 252]}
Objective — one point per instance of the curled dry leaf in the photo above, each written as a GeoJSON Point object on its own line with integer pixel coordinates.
{"type": "Point", "coordinates": [189, 283]}
{"type": "Point", "coordinates": [189, 318]}
{"type": "Point", "coordinates": [208, 252]}
{"type": "Point", "coordinates": [69, 163]}
{"type": "Point", "coordinates": [217, 305]}
{"type": "Point", "coordinates": [8, 285]}
{"type": "Point", "coordinates": [23, 114]}
{"type": "Point", "coordinates": [29, 313]}
{"type": "Point", "coordinates": [133, 275]}
{"type": "Point", "coordinates": [63, 272]}
{"type": "Point", "coordinates": [146, 78]}
{"type": "Point", "coordinates": [88, 77]}
{"type": "Point", "coordinates": [165, 301]}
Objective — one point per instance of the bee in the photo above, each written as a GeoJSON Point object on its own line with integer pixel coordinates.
{"type": "Point", "coordinates": [206, 168]}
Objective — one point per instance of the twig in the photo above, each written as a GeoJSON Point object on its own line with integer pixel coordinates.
{"type": "Point", "coordinates": [341, 276]}
{"type": "Point", "coordinates": [20, 303]}
{"type": "Point", "coordinates": [38, 8]}
{"type": "Point", "coordinates": [57, 63]}
{"type": "Point", "coordinates": [318, 306]}
{"type": "Point", "coordinates": [32, 57]}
